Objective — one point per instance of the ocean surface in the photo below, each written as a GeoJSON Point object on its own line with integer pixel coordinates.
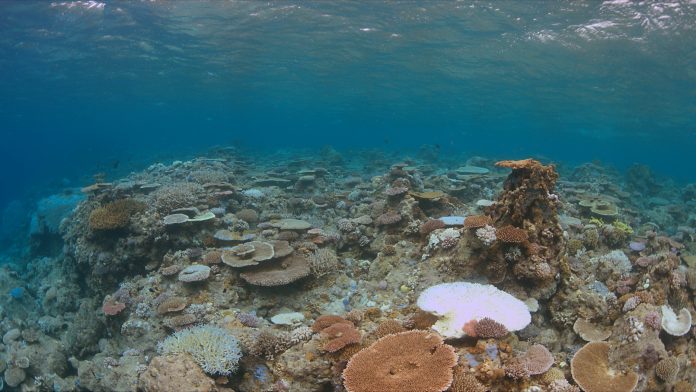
{"type": "Point", "coordinates": [89, 86]}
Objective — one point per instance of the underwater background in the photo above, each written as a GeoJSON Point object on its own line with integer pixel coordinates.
{"type": "Point", "coordinates": [93, 86]}
{"type": "Point", "coordinates": [274, 196]}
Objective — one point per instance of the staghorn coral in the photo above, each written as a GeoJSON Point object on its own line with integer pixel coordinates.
{"type": "Point", "coordinates": [267, 343]}
{"type": "Point", "coordinates": [516, 369]}
{"type": "Point", "coordinates": [323, 261]}
{"type": "Point", "coordinates": [213, 348]}
{"type": "Point", "coordinates": [412, 361]}
{"type": "Point", "coordinates": [115, 215]}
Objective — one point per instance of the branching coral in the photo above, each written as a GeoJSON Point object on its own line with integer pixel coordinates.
{"type": "Point", "coordinates": [115, 215]}
{"type": "Point", "coordinates": [323, 261]}
{"type": "Point", "coordinates": [213, 348]}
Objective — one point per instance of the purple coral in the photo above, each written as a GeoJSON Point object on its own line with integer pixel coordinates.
{"type": "Point", "coordinates": [636, 246]}
{"type": "Point", "coordinates": [388, 218]}
{"type": "Point", "coordinates": [631, 304]}
{"type": "Point", "coordinates": [653, 319]}
{"type": "Point", "coordinates": [449, 242]}
{"type": "Point", "coordinates": [396, 191]}
{"type": "Point", "coordinates": [248, 319]}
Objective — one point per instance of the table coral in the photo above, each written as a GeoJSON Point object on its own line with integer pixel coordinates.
{"type": "Point", "coordinates": [413, 361]}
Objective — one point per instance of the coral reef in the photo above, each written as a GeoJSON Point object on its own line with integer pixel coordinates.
{"type": "Point", "coordinates": [313, 273]}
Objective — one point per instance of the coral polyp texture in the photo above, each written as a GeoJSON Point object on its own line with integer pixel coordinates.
{"type": "Point", "coordinates": [361, 272]}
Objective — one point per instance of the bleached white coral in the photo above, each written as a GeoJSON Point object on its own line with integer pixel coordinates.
{"type": "Point", "coordinates": [438, 237]}
{"type": "Point", "coordinates": [615, 260]}
{"type": "Point", "coordinates": [461, 302]}
{"type": "Point", "coordinates": [486, 234]}
{"type": "Point", "coordinates": [673, 324]}
{"type": "Point", "coordinates": [253, 193]}
{"type": "Point", "coordinates": [214, 349]}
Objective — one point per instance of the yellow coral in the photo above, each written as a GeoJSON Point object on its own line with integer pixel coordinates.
{"type": "Point", "coordinates": [597, 222]}
{"type": "Point", "coordinates": [114, 215]}
{"type": "Point", "coordinates": [622, 227]}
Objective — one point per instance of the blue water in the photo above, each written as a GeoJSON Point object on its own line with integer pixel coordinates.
{"type": "Point", "coordinates": [89, 86]}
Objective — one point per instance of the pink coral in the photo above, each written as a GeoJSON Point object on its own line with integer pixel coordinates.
{"type": "Point", "coordinates": [111, 307]}
{"type": "Point", "coordinates": [653, 319]}
{"type": "Point", "coordinates": [538, 359]}
{"type": "Point", "coordinates": [449, 242]}
{"type": "Point", "coordinates": [388, 218]}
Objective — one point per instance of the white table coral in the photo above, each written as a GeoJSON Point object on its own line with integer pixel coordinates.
{"type": "Point", "coordinates": [460, 302]}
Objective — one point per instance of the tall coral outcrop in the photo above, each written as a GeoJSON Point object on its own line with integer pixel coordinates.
{"type": "Point", "coordinates": [527, 221]}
